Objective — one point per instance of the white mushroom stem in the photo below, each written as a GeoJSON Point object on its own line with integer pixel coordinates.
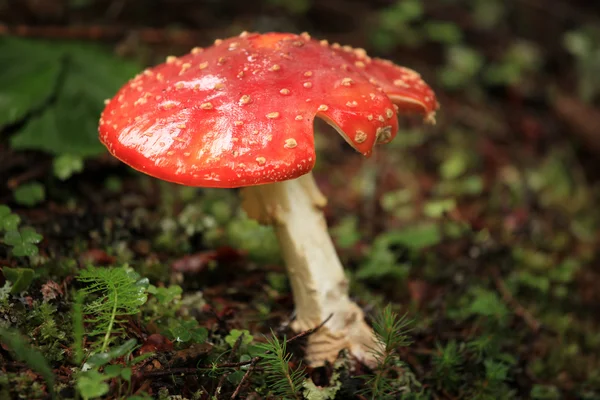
{"type": "Point", "coordinates": [317, 278]}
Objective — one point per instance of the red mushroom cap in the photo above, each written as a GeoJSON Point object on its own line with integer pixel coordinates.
{"type": "Point", "coordinates": [241, 112]}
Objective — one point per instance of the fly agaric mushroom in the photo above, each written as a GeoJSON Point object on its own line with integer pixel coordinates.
{"type": "Point", "coordinates": [240, 114]}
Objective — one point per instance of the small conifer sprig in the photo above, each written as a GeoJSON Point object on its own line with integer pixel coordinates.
{"type": "Point", "coordinates": [392, 331]}
{"type": "Point", "coordinates": [285, 381]}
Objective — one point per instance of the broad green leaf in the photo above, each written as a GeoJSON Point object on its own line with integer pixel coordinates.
{"type": "Point", "coordinates": [30, 194]}
{"type": "Point", "coordinates": [29, 74]}
{"type": "Point", "coordinates": [20, 278]}
{"type": "Point", "coordinates": [69, 125]}
{"type": "Point", "coordinates": [67, 165]}
{"type": "Point", "coordinates": [33, 358]}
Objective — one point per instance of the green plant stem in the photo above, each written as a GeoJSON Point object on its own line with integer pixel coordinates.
{"type": "Point", "coordinates": [110, 325]}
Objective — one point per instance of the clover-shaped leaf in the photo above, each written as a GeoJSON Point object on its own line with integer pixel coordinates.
{"type": "Point", "coordinates": [234, 334]}
{"type": "Point", "coordinates": [23, 241]}
{"type": "Point", "coordinates": [30, 194]}
{"type": "Point", "coordinates": [66, 165]}
{"type": "Point", "coordinates": [92, 384]}
{"type": "Point", "coordinates": [8, 220]}
{"type": "Point", "coordinates": [184, 331]}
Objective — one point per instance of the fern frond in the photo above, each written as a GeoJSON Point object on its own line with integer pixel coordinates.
{"type": "Point", "coordinates": [116, 293]}
{"type": "Point", "coordinates": [281, 378]}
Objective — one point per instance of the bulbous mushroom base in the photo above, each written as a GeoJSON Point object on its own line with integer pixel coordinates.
{"type": "Point", "coordinates": [317, 278]}
{"type": "Point", "coordinates": [326, 343]}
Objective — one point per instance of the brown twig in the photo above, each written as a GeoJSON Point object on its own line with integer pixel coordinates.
{"type": "Point", "coordinates": [234, 351]}
{"type": "Point", "coordinates": [518, 309]}
{"type": "Point", "coordinates": [251, 368]}
{"type": "Point", "coordinates": [194, 371]}
{"type": "Point", "coordinates": [255, 360]}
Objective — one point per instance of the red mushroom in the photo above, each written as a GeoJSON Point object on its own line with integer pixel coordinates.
{"type": "Point", "coordinates": [240, 114]}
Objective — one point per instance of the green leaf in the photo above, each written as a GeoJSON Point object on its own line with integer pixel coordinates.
{"type": "Point", "coordinates": [578, 43]}
{"type": "Point", "coordinates": [112, 371]}
{"type": "Point", "coordinates": [454, 165]}
{"type": "Point", "coordinates": [381, 262]}
{"type": "Point", "coordinates": [8, 220]}
{"type": "Point", "coordinates": [99, 359]}
{"type": "Point", "coordinates": [236, 377]}
{"type": "Point", "coordinates": [30, 194]}
{"type": "Point", "coordinates": [126, 374]}
{"type": "Point", "coordinates": [28, 76]}
{"type": "Point", "coordinates": [125, 348]}
{"type": "Point", "coordinates": [463, 64]}
{"type": "Point", "coordinates": [23, 242]}
{"type": "Point", "coordinates": [443, 32]}
{"type": "Point", "coordinates": [254, 350]}
{"type": "Point", "coordinates": [91, 384]}
{"type": "Point", "coordinates": [234, 334]}
{"type": "Point", "coordinates": [416, 237]}
{"type": "Point", "coordinates": [186, 330]}
{"type": "Point", "coordinates": [67, 165]}
{"type": "Point", "coordinates": [180, 333]}
{"type": "Point", "coordinates": [545, 392]}
{"type": "Point", "coordinates": [346, 232]}
{"type": "Point", "coordinates": [166, 295]}
{"type": "Point", "coordinates": [33, 358]}
{"type": "Point", "coordinates": [437, 208]}
{"type": "Point", "coordinates": [20, 278]}
{"type": "Point", "coordinates": [69, 124]}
